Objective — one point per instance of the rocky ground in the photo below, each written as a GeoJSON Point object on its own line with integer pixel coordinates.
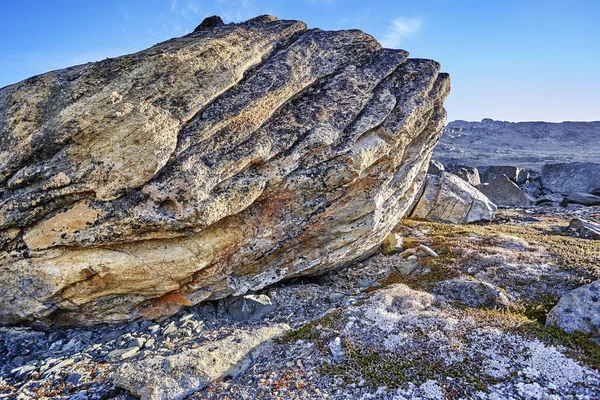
{"type": "Point", "coordinates": [468, 323]}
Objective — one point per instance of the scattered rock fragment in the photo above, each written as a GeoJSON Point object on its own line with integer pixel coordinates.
{"type": "Point", "coordinates": [489, 173]}
{"type": "Point", "coordinates": [435, 168]}
{"type": "Point", "coordinates": [468, 174]}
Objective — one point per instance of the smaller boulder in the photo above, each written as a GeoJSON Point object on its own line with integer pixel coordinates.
{"type": "Point", "coordinates": [435, 168]}
{"type": "Point", "coordinates": [250, 307]}
{"type": "Point", "coordinates": [585, 229]}
{"type": "Point", "coordinates": [447, 198]}
{"type": "Point", "coordinates": [505, 193]}
{"type": "Point", "coordinates": [392, 244]}
{"type": "Point", "coordinates": [585, 199]}
{"type": "Point", "coordinates": [595, 192]}
{"type": "Point", "coordinates": [473, 293]}
{"type": "Point", "coordinates": [578, 310]}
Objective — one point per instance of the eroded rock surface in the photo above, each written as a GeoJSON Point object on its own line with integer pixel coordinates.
{"type": "Point", "coordinates": [207, 165]}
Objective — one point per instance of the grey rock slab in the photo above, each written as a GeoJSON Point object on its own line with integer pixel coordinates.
{"type": "Point", "coordinates": [505, 193]}
{"type": "Point", "coordinates": [585, 199]}
{"type": "Point", "coordinates": [578, 310]}
{"type": "Point", "coordinates": [550, 198]}
{"type": "Point", "coordinates": [447, 198]}
{"type": "Point", "coordinates": [567, 178]}
{"type": "Point", "coordinates": [178, 375]}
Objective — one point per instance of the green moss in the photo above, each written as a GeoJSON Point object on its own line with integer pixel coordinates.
{"type": "Point", "coordinates": [394, 370]}
{"type": "Point", "coordinates": [312, 331]}
{"type": "Point", "coordinates": [538, 308]}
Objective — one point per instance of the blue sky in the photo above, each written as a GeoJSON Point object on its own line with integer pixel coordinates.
{"type": "Point", "coordinates": [509, 60]}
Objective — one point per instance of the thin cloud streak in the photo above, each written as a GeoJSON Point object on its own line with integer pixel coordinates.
{"type": "Point", "coordinates": [400, 29]}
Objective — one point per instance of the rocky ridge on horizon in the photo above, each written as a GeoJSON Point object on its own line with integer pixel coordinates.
{"type": "Point", "coordinates": [522, 144]}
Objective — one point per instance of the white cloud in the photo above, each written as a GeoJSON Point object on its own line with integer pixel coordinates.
{"type": "Point", "coordinates": [400, 29]}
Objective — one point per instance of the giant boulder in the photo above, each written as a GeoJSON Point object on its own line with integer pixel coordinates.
{"type": "Point", "coordinates": [206, 166]}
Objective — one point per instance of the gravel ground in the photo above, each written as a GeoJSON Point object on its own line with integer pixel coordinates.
{"type": "Point", "coordinates": [374, 330]}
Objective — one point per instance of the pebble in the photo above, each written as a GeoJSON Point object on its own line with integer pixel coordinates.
{"type": "Point", "coordinates": [428, 250]}
{"type": "Point", "coordinates": [336, 297]}
{"type": "Point", "coordinates": [336, 348]}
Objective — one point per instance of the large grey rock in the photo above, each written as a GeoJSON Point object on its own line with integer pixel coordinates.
{"type": "Point", "coordinates": [206, 166]}
{"type": "Point", "coordinates": [473, 293]}
{"type": "Point", "coordinates": [584, 199]}
{"type": "Point", "coordinates": [566, 178]}
{"type": "Point", "coordinates": [448, 198]}
{"type": "Point", "coordinates": [585, 229]}
{"type": "Point", "coordinates": [578, 310]}
{"type": "Point", "coordinates": [178, 375]}
{"type": "Point", "coordinates": [505, 193]}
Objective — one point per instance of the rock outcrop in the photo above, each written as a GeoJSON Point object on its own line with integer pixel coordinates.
{"type": "Point", "coordinates": [448, 198]}
{"type": "Point", "coordinates": [206, 166]}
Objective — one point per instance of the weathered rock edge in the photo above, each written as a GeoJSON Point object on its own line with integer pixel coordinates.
{"type": "Point", "coordinates": [205, 166]}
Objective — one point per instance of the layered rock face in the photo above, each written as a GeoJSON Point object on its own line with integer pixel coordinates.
{"type": "Point", "coordinates": [205, 166]}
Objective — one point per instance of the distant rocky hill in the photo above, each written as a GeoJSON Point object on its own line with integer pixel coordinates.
{"type": "Point", "coordinates": [523, 144]}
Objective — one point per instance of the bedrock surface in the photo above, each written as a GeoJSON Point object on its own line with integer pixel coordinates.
{"type": "Point", "coordinates": [205, 166]}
